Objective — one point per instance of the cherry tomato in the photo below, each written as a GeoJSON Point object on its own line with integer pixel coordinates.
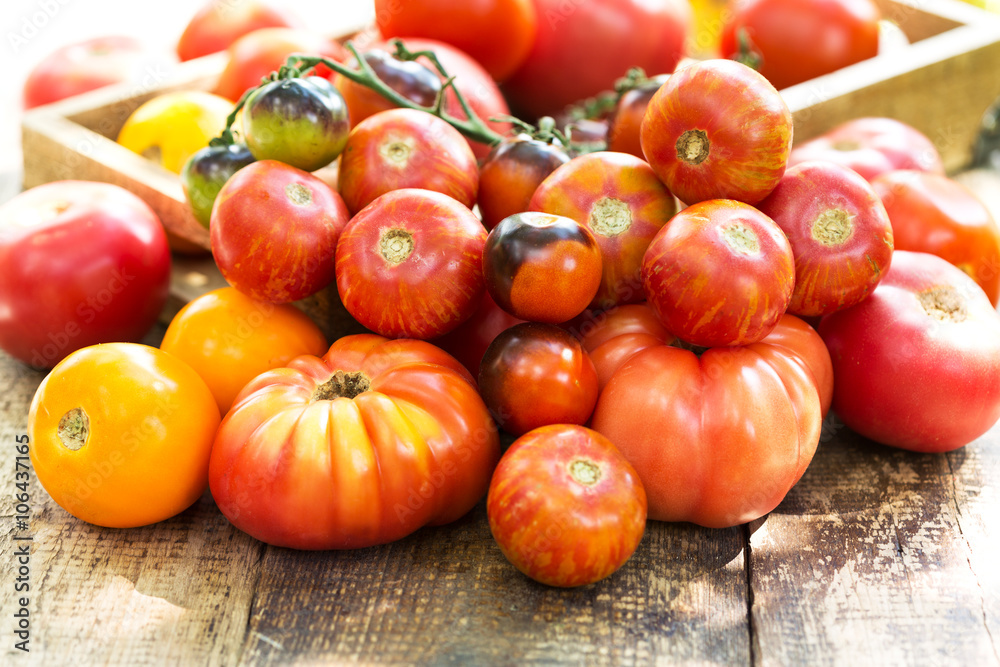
{"type": "Point", "coordinates": [468, 341]}
{"type": "Point", "coordinates": [582, 48]}
{"type": "Point", "coordinates": [410, 264]}
{"type": "Point", "coordinates": [565, 506]}
{"type": "Point", "coordinates": [301, 122]}
{"type": "Point", "coordinates": [362, 447]}
{"type": "Point", "coordinates": [872, 146]}
{"type": "Point", "coordinates": [274, 230]}
{"type": "Point", "coordinates": [512, 172]}
{"type": "Point", "coordinates": [404, 148]}
{"type": "Point", "coordinates": [80, 263]}
{"type": "Point", "coordinates": [799, 40]}
{"type": "Point", "coordinates": [717, 130]}
{"type": "Point", "coordinates": [626, 121]}
{"type": "Point", "coordinates": [230, 339]}
{"type": "Point", "coordinates": [206, 172]}
{"type": "Point", "coordinates": [932, 213]}
{"type": "Point", "coordinates": [221, 22]}
{"type": "Point", "coordinates": [542, 267]}
{"type": "Point", "coordinates": [411, 79]}
{"type": "Point", "coordinates": [839, 232]}
{"type": "Point", "coordinates": [120, 434]}
{"type": "Point", "coordinates": [612, 337]}
{"type": "Point", "coordinates": [537, 374]}
{"type": "Point", "coordinates": [918, 362]}
{"type": "Point", "coordinates": [619, 199]}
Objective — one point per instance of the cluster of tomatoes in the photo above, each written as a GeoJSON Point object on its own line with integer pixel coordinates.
{"type": "Point", "coordinates": [653, 359]}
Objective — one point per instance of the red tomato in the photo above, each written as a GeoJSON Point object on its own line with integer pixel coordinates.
{"type": "Point", "coordinates": [512, 172]}
{"type": "Point", "coordinates": [932, 213]}
{"type": "Point", "coordinates": [717, 439]}
{"type": "Point", "coordinates": [612, 337]}
{"type": "Point", "coordinates": [918, 362]}
{"type": "Point", "coordinates": [582, 48]}
{"type": "Point", "coordinates": [626, 121]}
{"type": "Point", "coordinates": [497, 33]}
{"type": "Point", "coordinates": [717, 130]}
{"type": "Point", "coordinates": [469, 340]}
{"type": "Point", "coordinates": [410, 264]}
{"type": "Point", "coordinates": [872, 146]}
{"type": "Point", "coordinates": [839, 232]}
{"type": "Point", "coordinates": [81, 263]}
{"type": "Point", "coordinates": [84, 66]}
{"type": "Point", "coordinates": [404, 148]}
{"type": "Point", "coordinates": [565, 506]}
{"type": "Point", "coordinates": [274, 229]}
{"type": "Point", "coordinates": [219, 23]}
{"type": "Point", "coordinates": [537, 374]}
{"type": "Point", "coordinates": [798, 40]}
{"type": "Point", "coordinates": [362, 447]}
{"type": "Point", "coordinates": [542, 267]}
{"type": "Point", "coordinates": [720, 273]}
{"type": "Point", "coordinates": [256, 54]}
{"type": "Point", "coordinates": [620, 200]}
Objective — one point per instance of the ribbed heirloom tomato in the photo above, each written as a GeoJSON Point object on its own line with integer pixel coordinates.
{"type": "Point", "coordinates": [362, 447]}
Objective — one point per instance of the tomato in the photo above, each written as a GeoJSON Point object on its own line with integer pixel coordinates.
{"type": "Point", "coordinates": [87, 65]}
{"type": "Point", "coordinates": [256, 54]}
{"type": "Point", "coordinates": [468, 341]}
{"type": "Point", "coordinates": [717, 130]}
{"type": "Point", "coordinates": [411, 79]}
{"type": "Point", "coordinates": [839, 232]}
{"type": "Point", "coordinates": [582, 48]}
{"type": "Point", "coordinates": [542, 267]}
{"type": "Point", "coordinates": [872, 146]}
{"type": "Point", "coordinates": [171, 127]}
{"type": "Point", "coordinates": [720, 273]}
{"type": "Point", "coordinates": [565, 506]}
{"type": "Point", "coordinates": [718, 439]}
{"type": "Point", "coordinates": [120, 434]}
{"type": "Point", "coordinates": [626, 120]}
{"type": "Point", "coordinates": [362, 447]}
{"type": "Point", "coordinates": [404, 148]}
{"type": "Point", "coordinates": [612, 337]}
{"type": "Point", "coordinates": [497, 33]}
{"type": "Point", "coordinates": [799, 40]}
{"type": "Point", "coordinates": [512, 172]}
{"type": "Point", "coordinates": [410, 264]}
{"type": "Point", "coordinates": [932, 213]}
{"type": "Point", "coordinates": [274, 230]}
{"type": "Point", "coordinates": [206, 172]}
{"type": "Point", "coordinates": [619, 199]}
{"type": "Point", "coordinates": [221, 22]}
{"type": "Point", "coordinates": [230, 339]}
{"type": "Point", "coordinates": [537, 374]}
{"type": "Point", "coordinates": [80, 263]}
{"type": "Point", "coordinates": [301, 122]}
{"type": "Point", "coordinates": [918, 362]}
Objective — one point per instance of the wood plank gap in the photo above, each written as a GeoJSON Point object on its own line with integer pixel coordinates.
{"type": "Point", "coordinates": [748, 573]}
{"type": "Point", "coordinates": [257, 567]}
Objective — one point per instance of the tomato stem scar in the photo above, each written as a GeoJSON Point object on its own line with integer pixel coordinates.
{"type": "Point", "coordinates": [298, 194]}
{"type": "Point", "coordinates": [73, 429]}
{"type": "Point", "coordinates": [396, 245]}
{"type": "Point", "coordinates": [342, 385]}
{"type": "Point", "coordinates": [944, 303]}
{"type": "Point", "coordinates": [584, 472]}
{"type": "Point", "coordinates": [832, 227]}
{"type": "Point", "coordinates": [610, 217]}
{"type": "Point", "coordinates": [741, 239]}
{"type": "Point", "coordinates": [693, 147]}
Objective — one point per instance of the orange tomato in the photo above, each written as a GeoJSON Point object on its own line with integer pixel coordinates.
{"type": "Point", "coordinates": [230, 339]}
{"type": "Point", "coordinates": [121, 433]}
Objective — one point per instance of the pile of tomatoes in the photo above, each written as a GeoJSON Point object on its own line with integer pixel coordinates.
{"type": "Point", "coordinates": [661, 327]}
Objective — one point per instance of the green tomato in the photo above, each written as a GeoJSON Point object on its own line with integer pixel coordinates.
{"type": "Point", "coordinates": [206, 172]}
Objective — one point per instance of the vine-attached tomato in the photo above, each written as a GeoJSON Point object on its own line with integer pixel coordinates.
{"type": "Point", "coordinates": [839, 232]}
{"type": "Point", "coordinates": [872, 146]}
{"type": "Point", "coordinates": [799, 40]}
{"type": "Point", "coordinates": [620, 200]}
{"type": "Point", "coordinates": [411, 79]}
{"type": "Point", "coordinates": [565, 506]}
{"type": "Point", "coordinates": [719, 439]}
{"type": "Point", "coordinates": [206, 172]}
{"type": "Point", "coordinates": [230, 339]}
{"type": "Point", "coordinates": [80, 263]}
{"type": "Point", "coordinates": [410, 264]}
{"type": "Point", "coordinates": [404, 148]}
{"type": "Point", "coordinates": [362, 447]}
{"type": "Point", "coordinates": [612, 337]}
{"type": "Point", "coordinates": [274, 232]}
{"type": "Point", "coordinates": [301, 122]}
{"type": "Point", "coordinates": [468, 341]}
{"type": "Point", "coordinates": [497, 33]}
{"type": "Point", "coordinates": [717, 130]}
{"type": "Point", "coordinates": [719, 273]}
{"type": "Point", "coordinates": [219, 23]}
{"type": "Point", "coordinates": [932, 213]}
{"type": "Point", "coordinates": [625, 125]}
{"type": "Point", "coordinates": [512, 172]}
{"type": "Point", "coordinates": [537, 374]}
{"type": "Point", "coordinates": [120, 434]}
{"type": "Point", "coordinates": [918, 362]}
{"type": "Point", "coordinates": [542, 267]}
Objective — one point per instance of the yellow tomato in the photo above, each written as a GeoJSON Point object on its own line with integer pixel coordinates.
{"type": "Point", "coordinates": [989, 5]}
{"type": "Point", "coordinates": [170, 128]}
{"type": "Point", "coordinates": [230, 339]}
{"type": "Point", "coordinates": [120, 434]}
{"type": "Point", "coordinates": [709, 17]}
